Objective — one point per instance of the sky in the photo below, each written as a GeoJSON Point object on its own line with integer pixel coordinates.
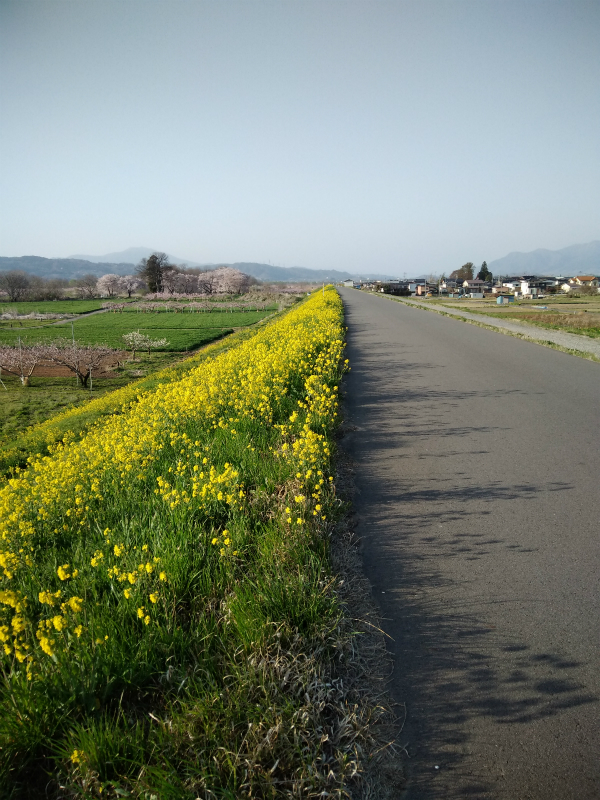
{"type": "Point", "coordinates": [360, 135]}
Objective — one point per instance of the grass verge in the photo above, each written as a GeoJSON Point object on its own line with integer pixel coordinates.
{"type": "Point", "coordinates": [169, 619]}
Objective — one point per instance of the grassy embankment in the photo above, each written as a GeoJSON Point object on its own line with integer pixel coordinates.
{"type": "Point", "coordinates": [167, 616]}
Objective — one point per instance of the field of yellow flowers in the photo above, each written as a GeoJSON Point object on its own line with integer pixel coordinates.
{"type": "Point", "coordinates": [164, 585]}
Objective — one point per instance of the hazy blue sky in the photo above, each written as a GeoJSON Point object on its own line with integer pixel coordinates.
{"type": "Point", "coordinates": [369, 136]}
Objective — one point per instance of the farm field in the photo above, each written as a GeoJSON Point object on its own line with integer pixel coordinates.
{"type": "Point", "coordinates": [584, 323]}
{"type": "Point", "coordinates": [577, 315]}
{"type": "Point", "coordinates": [581, 316]}
{"type": "Point", "coordinates": [51, 307]}
{"type": "Point", "coordinates": [165, 600]}
{"type": "Point", "coordinates": [488, 303]}
{"type": "Point", "coordinates": [183, 331]}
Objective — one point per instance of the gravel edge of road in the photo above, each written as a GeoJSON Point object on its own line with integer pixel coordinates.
{"type": "Point", "coordinates": [371, 664]}
{"type": "Point", "coordinates": [458, 315]}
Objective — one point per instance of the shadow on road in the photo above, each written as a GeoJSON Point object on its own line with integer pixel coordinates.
{"type": "Point", "coordinates": [452, 667]}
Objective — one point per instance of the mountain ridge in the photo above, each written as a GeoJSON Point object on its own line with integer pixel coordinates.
{"type": "Point", "coordinates": [69, 268]}
{"type": "Point", "coordinates": [576, 259]}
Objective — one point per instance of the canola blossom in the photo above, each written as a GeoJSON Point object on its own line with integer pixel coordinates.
{"type": "Point", "coordinates": [93, 535]}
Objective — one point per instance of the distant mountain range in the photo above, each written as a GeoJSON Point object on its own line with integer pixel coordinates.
{"type": "Point", "coordinates": [269, 273]}
{"type": "Point", "coordinates": [123, 263]}
{"type": "Point", "coordinates": [578, 259]}
{"type": "Point", "coordinates": [262, 272]}
{"type": "Point", "coordinates": [62, 267]}
{"type": "Point", "coordinates": [133, 255]}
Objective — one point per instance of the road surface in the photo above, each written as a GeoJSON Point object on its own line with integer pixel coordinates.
{"type": "Point", "coordinates": [572, 341]}
{"type": "Point", "coordinates": [477, 469]}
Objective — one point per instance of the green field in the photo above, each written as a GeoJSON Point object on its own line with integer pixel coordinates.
{"type": "Point", "coordinates": [51, 307]}
{"type": "Point", "coordinates": [23, 406]}
{"type": "Point", "coordinates": [183, 331]}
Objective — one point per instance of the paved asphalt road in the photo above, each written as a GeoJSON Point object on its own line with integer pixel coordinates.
{"type": "Point", "coordinates": [478, 471]}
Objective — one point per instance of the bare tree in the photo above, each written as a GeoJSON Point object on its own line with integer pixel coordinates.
{"type": "Point", "coordinates": [86, 286]}
{"type": "Point", "coordinates": [108, 285]}
{"type": "Point", "coordinates": [79, 359]}
{"type": "Point", "coordinates": [465, 273]}
{"type": "Point", "coordinates": [15, 283]}
{"type": "Point", "coordinates": [43, 289]}
{"type": "Point", "coordinates": [22, 360]}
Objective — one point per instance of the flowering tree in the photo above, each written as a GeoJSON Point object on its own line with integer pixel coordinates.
{"type": "Point", "coordinates": [108, 285]}
{"type": "Point", "coordinates": [78, 358]}
{"type": "Point", "coordinates": [206, 282]}
{"type": "Point", "coordinates": [139, 341]}
{"type": "Point", "coordinates": [130, 283]}
{"type": "Point", "coordinates": [21, 361]}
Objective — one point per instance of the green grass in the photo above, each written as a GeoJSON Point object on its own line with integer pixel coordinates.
{"type": "Point", "coordinates": [183, 331]}
{"type": "Point", "coordinates": [51, 307]}
{"type": "Point", "coordinates": [20, 324]}
{"type": "Point", "coordinates": [21, 406]}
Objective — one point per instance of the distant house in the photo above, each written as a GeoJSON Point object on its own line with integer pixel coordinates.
{"type": "Point", "coordinates": [584, 280]}
{"type": "Point", "coordinates": [474, 285]}
{"type": "Point", "coordinates": [349, 283]}
{"type": "Point", "coordinates": [399, 288]}
{"type": "Point", "coordinates": [587, 280]}
{"type": "Point", "coordinates": [425, 288]}
{"type": "Point", "coordinates": [476, 288]}
{"type": "Point", "coordinates": [450, 284]}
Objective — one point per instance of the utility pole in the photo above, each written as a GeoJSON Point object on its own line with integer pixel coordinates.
{"type": "Point", "coordinates": [73, 340]}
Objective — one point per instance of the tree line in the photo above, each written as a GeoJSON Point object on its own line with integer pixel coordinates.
{"type": "Point", "coordinates": [154, 274]}
{"type": "Point", "coordinates": [466, 273]}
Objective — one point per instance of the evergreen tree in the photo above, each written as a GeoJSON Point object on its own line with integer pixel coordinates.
{"type": "Point", "coordinates": [484, 273]}
{"type": "Point", "coordinates": [153, 270]}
